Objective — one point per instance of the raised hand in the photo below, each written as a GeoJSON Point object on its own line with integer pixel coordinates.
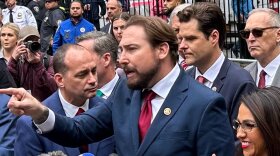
{"type": "Point", "coordinates": [23, 103]}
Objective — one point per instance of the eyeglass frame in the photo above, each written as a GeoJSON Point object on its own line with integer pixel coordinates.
{"type": "Point", "coordinates": [253, 31]}
{"type": "Point", "coordinates": [244, 127]}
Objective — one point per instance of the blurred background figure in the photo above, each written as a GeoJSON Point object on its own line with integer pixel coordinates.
{"type": "Point", "coordinates": [93, 10]}
{"type": "Point", "coordinates": [53, 17]}
{"type": "Point", "coordinates": [118, 22]}
{"type": "Point", "coordinates": [258, 122]}
{"type": "Point", "coordinates": [9, 37]}
{"type": "Point", "coordinates": [20, 15]}
{"type": "Point", "coordinates": [169, 5]}
{"type": "Point", "coordinates": [35, 7]}
{"type": "Point", "coordinates": [30, 68]}
{"type": "Point", "coordinates": [73, 27]}
{"type": "Point", "coordinates": [175, 24]}
{"type": "Point", "coordinates": [113, 7]}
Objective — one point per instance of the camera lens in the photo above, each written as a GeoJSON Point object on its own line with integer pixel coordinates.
{"type": "Point", "coordinates": [35, 47]}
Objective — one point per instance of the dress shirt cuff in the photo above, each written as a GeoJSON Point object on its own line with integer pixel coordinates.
{"type": "Point", "coordinates": [48, 125]}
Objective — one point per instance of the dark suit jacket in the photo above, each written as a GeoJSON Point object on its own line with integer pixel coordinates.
{"type": "Point", "coordinates": [32, 143]}
{"type": "Point", "coordinates": [106, 28]}
{"type": "Point", "coordinates": [198, 123]}
{"type": "Point", "coordinates": [7, 127]}
{"type": "Point", "coordinates": [232, 82]}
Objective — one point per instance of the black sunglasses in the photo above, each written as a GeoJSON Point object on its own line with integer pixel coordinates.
{"type": "Point", "coordinates": [257, 32]}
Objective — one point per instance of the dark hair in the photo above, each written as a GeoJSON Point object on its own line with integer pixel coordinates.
{"type": "Point", "coordinates": [59, 65]}
{"type": "Point", "coordinates": [123, 16]}
{"type": "Point", "coordinates": [158, 31]}
{"type": "Point", "coordinates": [102, 43]}
{"type": "Point", "coordinates": [264, 104]}
{"type": "Point", "coordinates": [78, 1]}
{"type": "Point", "coordinates": [209, 17]}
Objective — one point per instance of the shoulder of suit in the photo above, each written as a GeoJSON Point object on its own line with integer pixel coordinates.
{"type": "Point", "coordinates": [5, 10]}
{"type": "Point", "coordinates": [250, 66]}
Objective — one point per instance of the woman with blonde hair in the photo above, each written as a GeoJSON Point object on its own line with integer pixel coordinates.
{"type": "Point", "coordinates": [9, 38]}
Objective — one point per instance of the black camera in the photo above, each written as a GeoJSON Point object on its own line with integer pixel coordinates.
{"type": "Point", "coordinates": [33, 46]}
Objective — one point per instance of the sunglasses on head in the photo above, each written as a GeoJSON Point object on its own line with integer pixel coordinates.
{"type": "Point", "coordinates": [257, 32]}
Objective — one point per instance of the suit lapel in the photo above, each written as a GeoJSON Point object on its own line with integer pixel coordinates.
{"type": "Point", "coordinates": [135, 108]}
{"type": "Point", "coordinates": [54, 104]}
{"type": "Point", "coordinates": [218, 82]}
{"type": "Point", "coordinates": [254, 71]}
{"type": "Point", "coordinates": [178, 90]}
{"type": "Point", "coordinates": [276, 80]}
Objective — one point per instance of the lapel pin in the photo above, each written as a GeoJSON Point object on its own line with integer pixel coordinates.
{"type": "Point", "coordinates": [214, 88]}
{"type": "Point", "coordinates": [167, 111]}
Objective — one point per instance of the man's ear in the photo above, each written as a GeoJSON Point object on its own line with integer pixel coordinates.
{"type": "Point", "coordinates": [214, 37]}
{"type": "Point", "coordinates": [278, 36]}
{"type": "Point", "coordinates": [59, 80]}
{"type": "Point", "coordinates": [163, 50]}
{"type": "Point", "coordinates": [106, 57]}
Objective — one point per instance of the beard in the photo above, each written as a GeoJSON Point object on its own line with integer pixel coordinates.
{"type": "Point", "coordinates": [144, 79]}
{"type": "Point", "coordinates": [76, 16]}
{"type": "Point", "coordinates": [168, 11]}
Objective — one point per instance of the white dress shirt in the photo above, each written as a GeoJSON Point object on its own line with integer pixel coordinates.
{"type": "Point", "coordinates": [69, 109]}
{"type": "Point", "coordinates": [212, 72]}
{"type": "Point", "coordinates": [109, 87]}
{"type": "Point", "coordinates": [22, 16]}
{"type": "Point", "coordinates": [162, 88]}
{"type": "Point", "coordinates": [270, 70]}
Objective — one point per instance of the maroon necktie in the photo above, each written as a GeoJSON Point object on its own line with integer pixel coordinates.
{"type": "Point", "coordinates": [262, 79]}
{"type": "Point", "coordinates": [146, 114]}
{"type": "Point", "coordinates": [184, 65]}
{"type": "Point", "coordinates": [83, 148]}
{"type": "Point", "coordinates": [201, 79]}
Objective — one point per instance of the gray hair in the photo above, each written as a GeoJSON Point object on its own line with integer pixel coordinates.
{"type": "Point", "coordinates": [274, 16]}
{"type": "Point", "coordinates": [177, 9]}
{"type": "Point", "coordinates": [103, 43]}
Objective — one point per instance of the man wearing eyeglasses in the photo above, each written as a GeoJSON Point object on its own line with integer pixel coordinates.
{"type": "Point", "coordinates": [202, 32]}
{"type": "Point", "coordinates": [262, 34]}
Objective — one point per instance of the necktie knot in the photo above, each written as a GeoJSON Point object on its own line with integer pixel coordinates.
{"type": "Point", "coordinates": [201, 79]}
{"type": "Point", "coordinates": [184, 65]}
{"type": "Point", "coordinates": [262, 79]}
{"type": "Point", "coordinates": [149, 95]}
{"type": "Point", "coordinates": [80, 111]}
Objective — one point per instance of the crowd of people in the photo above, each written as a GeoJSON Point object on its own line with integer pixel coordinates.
{"type": "Point", "coordinates": [140, 86]}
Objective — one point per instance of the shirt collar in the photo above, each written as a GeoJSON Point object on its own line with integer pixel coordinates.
{"type": "Point", "coordinates": [212, 73]}
{"type": "Point", "coordinates": [271, 68]}
{"type": "Point", "coordinates": [163, 87]}
{"type": "Point", "coordinates": [70, 109]}
{"type": "Point", "coordinates": [109, 87]}
{"type": "Point", "coordinates": [2, 56]}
